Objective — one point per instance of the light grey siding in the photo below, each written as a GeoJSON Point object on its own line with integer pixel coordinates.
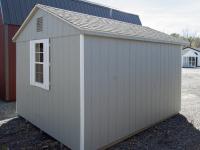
{"type": "Point", "coordinates": [129, 85]}
{"type": "Point", "coordinates": [56, 111]}
{"type": "Point", "coordinates": [52, 27]}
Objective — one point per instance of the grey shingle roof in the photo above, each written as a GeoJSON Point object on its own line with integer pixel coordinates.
{"type": "Point", "coordinates": [111, 27]}
{"type": "Point", "coordinates": [94, 25]}
{"type": "Point", "coordinates": [15, 11]}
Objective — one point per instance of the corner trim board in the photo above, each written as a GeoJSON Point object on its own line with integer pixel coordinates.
{"type": "Point", "coordinates": [82, 102]}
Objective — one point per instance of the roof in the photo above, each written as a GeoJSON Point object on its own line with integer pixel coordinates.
{"type": "Point", "coordinates": [15, 11]}
{"type": "Point", "coordinates": [187, 49]}
{"type": "Point", "coordinates": [195, 49]}
{"type": "Point", "coordinates": [93, 25]}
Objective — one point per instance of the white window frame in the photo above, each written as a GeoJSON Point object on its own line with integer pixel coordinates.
{"type": "Point", "coordinates": [45, 84]}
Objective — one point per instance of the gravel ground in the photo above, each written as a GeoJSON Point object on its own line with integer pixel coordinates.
{"type": "Point", "coordinates": [7, 109]}
{"type": "Point", "coordinates": [181, 132]}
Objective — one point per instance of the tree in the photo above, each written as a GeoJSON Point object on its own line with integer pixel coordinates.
{"type": "Point", "coordinates": [175, 35]}
{"type": "Point", "coordinates": [193, 38]}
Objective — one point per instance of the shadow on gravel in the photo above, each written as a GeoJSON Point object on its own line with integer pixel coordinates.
{"type": "Point", "coordinates": [175, 133]}
{"type": "Point", "coordinates": [18, 134]}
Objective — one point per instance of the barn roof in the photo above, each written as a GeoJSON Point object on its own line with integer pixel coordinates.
{"type": "Point", "coordinates": [94, 25]}
{"type": "Point", "coordinates": [15, 11]}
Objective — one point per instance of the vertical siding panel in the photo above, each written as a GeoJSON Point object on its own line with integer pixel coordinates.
{"type": "Point", "coordinates": [153, 109]}
{"type": "Point", "coordinates": [168, 81]}
{"type": "Point", "coordinates": [165, 80]}
{"type": "Point", "coordinates": [123, 93]}
{"type": "Point", "coordinates": [161, 97]}
{"type": "Point", "coordinates": [148, 84]}
{"type": "Point", "coordinates": [132, 87]}
{"type": "Point", "coordinates": [113, 92]}
{"type": "Point", "coordinates": [174, 55]}
{"type": "Point", "coordinates": [158, 71]}
{"type": "Point", "coordinates": [88, 94]}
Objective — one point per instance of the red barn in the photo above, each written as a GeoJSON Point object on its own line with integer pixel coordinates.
{"type": "Point", "coordinates": [13, 13]}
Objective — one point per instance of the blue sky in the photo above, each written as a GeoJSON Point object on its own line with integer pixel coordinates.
{"type": "Point", "coordinates": [169, 16]}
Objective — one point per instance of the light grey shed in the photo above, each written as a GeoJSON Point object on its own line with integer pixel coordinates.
{"type": "Point", "coordinates": [107, 79]}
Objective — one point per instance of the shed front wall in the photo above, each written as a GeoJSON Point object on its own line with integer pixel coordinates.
{"type": "Point", "coordinates": [129, 85]}
{"type": "Point", "coordinates": [57, 111]}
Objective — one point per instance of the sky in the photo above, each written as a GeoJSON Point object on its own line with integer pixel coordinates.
{"type": "Point", "coordinates": [169, 16]}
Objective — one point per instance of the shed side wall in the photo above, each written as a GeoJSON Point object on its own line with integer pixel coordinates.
{"type": "Point", "coordinates": [56, 111]}
{"type": "Point", "coordinates": [129, 85]}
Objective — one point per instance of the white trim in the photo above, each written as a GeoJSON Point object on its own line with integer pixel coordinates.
{"type": "Point", "coordinates": [45, 84]}
{"type": "Point", "coordinates": [82, 103]}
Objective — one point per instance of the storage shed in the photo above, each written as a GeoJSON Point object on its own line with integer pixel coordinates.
{"type": "Point", "coordinates": [12, 15]}
{"type": "Point", "coordinates": [90, 81]}
{"type": "Point", "coordinates": [190, 57]}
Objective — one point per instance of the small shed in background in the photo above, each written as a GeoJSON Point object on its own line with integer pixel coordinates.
{"type": "Point", "coordinates": [190, 57]}
{"type": "Point", "coordinates": [90, 81]}
{"type": "Point", "coordinates": [12, 15]}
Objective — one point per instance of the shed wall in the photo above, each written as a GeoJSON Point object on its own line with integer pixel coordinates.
{"type": "Point", "coordinates": [56, 111]}
{"type": "Point", "coordinates": [129, 85]}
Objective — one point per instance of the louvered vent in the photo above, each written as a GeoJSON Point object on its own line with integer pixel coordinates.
{"type": "Point", "coordinates": [39, 24]}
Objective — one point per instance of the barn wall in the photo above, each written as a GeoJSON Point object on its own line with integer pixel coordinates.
{"type": "Point", "coordinates": [2, 72]}
{"type": "Point", "coordinates": [11, 65]}
{"type": "Point", "coordinates": [56, 111]}
{"type": "Point", "coordinates": [129, 85]}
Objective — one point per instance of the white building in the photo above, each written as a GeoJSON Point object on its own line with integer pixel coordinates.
{"type": "Point", "coordinates": [190, 58]}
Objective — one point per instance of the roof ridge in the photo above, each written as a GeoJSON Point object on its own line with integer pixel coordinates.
{"type": "Point", "coordinates": [105, 6]}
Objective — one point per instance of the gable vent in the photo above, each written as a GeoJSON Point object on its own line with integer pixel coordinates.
{"type": "Point", "coordinates": [39, 27]}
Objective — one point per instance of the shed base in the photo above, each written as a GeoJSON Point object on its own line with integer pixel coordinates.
{"type": "Point", "coordinates": [132, 134]}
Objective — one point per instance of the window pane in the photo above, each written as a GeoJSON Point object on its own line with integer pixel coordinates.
{"type": "Point", "coordinates": [39, 47]}
{"type": "Point", "coordinates": [39, 68]}
{"type": "Point", "coordinates": [39, 73]}
{"type": "Point", "coordinates": [39, 57]}
{"type": "Point", "coordinates": [39, 77]}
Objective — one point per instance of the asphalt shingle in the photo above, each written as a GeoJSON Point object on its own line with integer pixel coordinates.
{"type": "Point", "coordinates": [96, 24]}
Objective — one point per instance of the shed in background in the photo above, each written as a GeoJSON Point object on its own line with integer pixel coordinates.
{"type": "Point", "coordinates": [190, 57]}
{"type": "Point", "coordinates": [90, 81]}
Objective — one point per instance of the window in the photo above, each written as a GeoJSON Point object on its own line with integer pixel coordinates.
{"type": "Point", "coordinates": [39, 63]}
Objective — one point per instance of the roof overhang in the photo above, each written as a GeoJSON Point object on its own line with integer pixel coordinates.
{"type": "Point", "coordinates": [26, 21]}
{"type": "Point", "coordinates": [127, 37]}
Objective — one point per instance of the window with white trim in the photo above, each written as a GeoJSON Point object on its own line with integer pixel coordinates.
{"type": "Point", "coordinates": [39, 63]}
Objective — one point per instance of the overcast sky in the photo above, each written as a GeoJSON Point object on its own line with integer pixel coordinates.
{"type": "Point", "coordinates": [165, 15]}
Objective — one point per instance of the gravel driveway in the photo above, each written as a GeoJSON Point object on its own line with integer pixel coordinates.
{"type": "Point", "coordinates": [7, 109]}
{"type": "Point", "coordinates": [181, 132]}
